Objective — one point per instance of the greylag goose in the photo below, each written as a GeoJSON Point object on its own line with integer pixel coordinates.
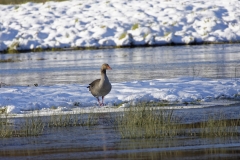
{"type": "Point", "coordinates": [101, 87]}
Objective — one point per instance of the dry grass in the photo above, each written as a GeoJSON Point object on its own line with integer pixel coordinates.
{"type": "Point", "coordinates": [145, 122]}
{"type": "Point", "coordinates": [9, 60]}
{"type": "Point", "coordinates": [122, 36]}
{"type": "Point", "coordinates": [72, 120]}
{"type": "Point", "coordinates": [141, 121]}
{"type": "Point", "coordinates": [34, 125]}
{"type": "Point", "coordinates": [28, 126]}
{"type": "Point", "coordinates": [135, 26]}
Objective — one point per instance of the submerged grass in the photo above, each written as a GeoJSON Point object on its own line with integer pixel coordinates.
{"type": "Point", "coordinates": [9, 60]}
{"type": "Point", "coordinates": [5, 127]}
{"type": "Point", "coordinates": [144, 122]}
{"type": "Point", "coordinates": [218, 126]}
{"type": "Point", "coordinates": [34, 125]}
{"type": "Point", "coordinates": [72, 120]}
{"type": "Point", "coordinates": [31, 126]}
{"type": "Point", "coordinates": [28, 126]}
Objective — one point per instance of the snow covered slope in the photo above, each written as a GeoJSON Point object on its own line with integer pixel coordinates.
{"type": "Point", "coordinates": [98, 23]}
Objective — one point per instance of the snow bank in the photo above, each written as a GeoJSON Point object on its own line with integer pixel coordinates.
{"type": "Point", "coordinates": [93, 23]}
{"type": "Point", "coordinates": [19, 99]}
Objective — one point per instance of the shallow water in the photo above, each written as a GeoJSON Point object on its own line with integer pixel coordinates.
{"type": "Point", "coordinates": [104, 142]}
{"type": "Point", "coordinates": [49, 68]}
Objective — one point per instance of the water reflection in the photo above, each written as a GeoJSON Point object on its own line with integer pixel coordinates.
{"type": "Point", "coordinates": [180, 148]}
{"type": "Point", "coordinates": [48, 68]}
{"type": "Point", "coordinates": [89, 147]}
{"type": "Point", "coordinates": [103, 141]}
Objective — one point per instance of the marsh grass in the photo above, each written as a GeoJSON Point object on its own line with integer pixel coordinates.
{"type": "Point", "coordinates": [25, 1]}
{"type": "Point", "coordinates": [72, 120]}
{"type": "Point", "coordinates": [218, 126]}
{"type": "Point", "coordinates": [5, 127]}
{"type": "Point", "coordinates": [34, 125]}
{"type": "Point", "coordinates": [31, 126]}
{"type": "Point", "coordinates": [144, 122]}
{"type": "Point", "coordinates": [9, 60]}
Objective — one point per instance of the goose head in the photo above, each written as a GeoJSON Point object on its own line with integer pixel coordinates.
{"type": "Point", "coordinates": [105, 66]}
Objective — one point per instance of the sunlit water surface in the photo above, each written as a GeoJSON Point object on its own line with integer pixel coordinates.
{"type": "Point", "coordinates": [49, 68]}
{"type": "Point", "coordinates": [103, 141]}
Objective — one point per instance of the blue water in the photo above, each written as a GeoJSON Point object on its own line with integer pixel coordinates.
{"type": "Point", "coordinates": [103, 141]}
{"type": "Point", "coordinates": [49, 68]}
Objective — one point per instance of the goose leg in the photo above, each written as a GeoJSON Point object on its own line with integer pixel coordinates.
{"type": "Point", "coordinates": [100, 104]}
{"type": "Point", "coordinates": [102, 100]}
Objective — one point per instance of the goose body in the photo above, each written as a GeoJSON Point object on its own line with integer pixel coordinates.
{"type": "Point", "coordinates": [101, 87]}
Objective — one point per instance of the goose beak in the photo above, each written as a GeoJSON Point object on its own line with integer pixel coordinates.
{"type": "Point", "coordinates": [108, 67]}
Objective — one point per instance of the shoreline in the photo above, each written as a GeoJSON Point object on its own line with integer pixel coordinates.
{"type": "Point", "coordinates": [110, 47]}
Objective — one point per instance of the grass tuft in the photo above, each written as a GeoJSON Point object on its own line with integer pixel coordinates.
{"type": "Point", "coordinates": [218, 126]}
{"type": "Point", "coordinates": [76, 20]}
{"type": "Point", "coordinates": [9, 60]}
{"type": "Point", "coordinates": [135, 26]}
{"type": "Point", "coordinates": [13, 47]}
{"type": "Point", "coordinates": [3, 110]}
{"type": "Point", "coordinates": [67, 35]}
{"type": "Point", "coordinates": [31, 126]}
{"type": "Point", "coordinates": [166, 34]}
{"type": "Point", "coordinates": [122, 36]}
{"type": "Point", "coordinates": [146, 122]}
{"type": "Point", "coordinates": [5, 128]}
{"type": "Point", "coordinates": [34, 125]}
{"type": "Point", "coordinates": [71, 120]}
